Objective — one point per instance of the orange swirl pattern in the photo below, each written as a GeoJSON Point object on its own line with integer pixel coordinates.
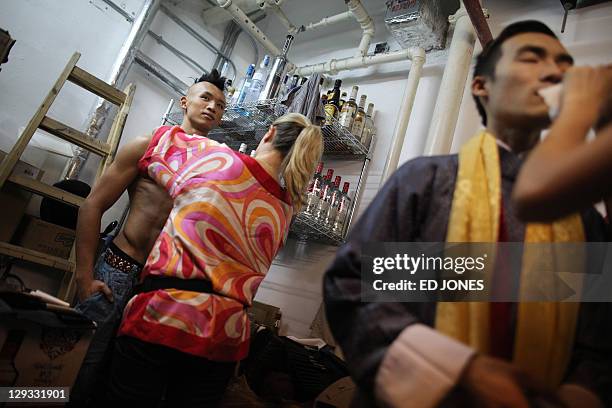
{"type": "Point", "coordinates": [228, 221]}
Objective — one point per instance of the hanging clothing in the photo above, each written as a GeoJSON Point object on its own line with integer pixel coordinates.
{"type": "Point", "coordinates": [392, 350]}
{"type": "Point", "coordinates": [229, 219]}
{"type": "Point", "coordinates": [307, 99]}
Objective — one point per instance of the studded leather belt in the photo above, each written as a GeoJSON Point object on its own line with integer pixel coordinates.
{"type": "Point", "coordinates": [120, 260]}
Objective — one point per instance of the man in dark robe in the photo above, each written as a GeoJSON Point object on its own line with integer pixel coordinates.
{"type": "Point", "coordinates": [392, 350]}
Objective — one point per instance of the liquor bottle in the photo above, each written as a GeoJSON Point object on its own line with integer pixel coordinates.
{"type": "Point", "coordinates": [245, 85]}
{"type": "Point", "coordinates": [272, 86]}
{"type": "Point", "coordinates": [342, 99]}
{"type": "Point", "coordinates": [259, 80]}
{"type": "Point", "coordinates": [294, 83]}
{"type": "Point", "coordinates": [368, 130]}
{"type": "Point", "coordinates": [320, 116]}
{"type": "Point", "coordinates": [349, 109]}
{"type": "Point", "coordinates": [332, 107]}
{"type": "Point", "coordinates": [344, 205]}
{"type": "Point", "coordinates": [314, 190]}
{"type": "Point", "coordinates": [229, 90]}
{"type": "Point", "coordinates": [360, 118]}
{"type": "Point", "coordinates": [243, 148]}
{"type": "Point", "coordinates": [283, 88]}
{"type": "Point", "coordinates": [326, 196]}
{"type": "Point", "coordinates": [8, 370]}
{"type": "Point", "coordinates": [334, 202]}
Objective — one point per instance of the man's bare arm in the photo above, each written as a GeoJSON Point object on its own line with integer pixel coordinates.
{"type": "Point", "coordinates": [107, 190]}
{"type": "Point", "coordinates": [558, 181]}
{"type": "Point", "coordinates": [565, 173]}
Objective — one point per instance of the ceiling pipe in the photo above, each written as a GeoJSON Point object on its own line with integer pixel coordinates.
{"type": "Point", "coordinates": [274, 5]}
{"type": "Point", "coordinates": [327, 21]}
{"type": "Point", "coordinates": [221, 55]}
{"type": "Point", "coordinates": [181, 55]}
{"type": "Point", "coordinates": [479, 21]}
{"type": "Point", "coordinates": [399, 133]}
{"type": "Point", "coordinates": [446, 111]}
{"type": "Point", "coordinates": [366, 23]}
{"type": "Point", "coordinates": [161, 73]}
{"type": "Point", "coordinates": [245, 22]}
{"type": "Point", "coordinates": [197, 36]}
{"type": "Point", "coordinates": [335, 65]}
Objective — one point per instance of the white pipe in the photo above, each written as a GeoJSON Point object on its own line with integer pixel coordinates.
{"type": "Point", "coordinates": [274, 5]}
{"type": "Point", "coordinates": [364, 44]}
{"type": "Point", "coordinates": [333, 66]}
{"type": "Point", "coordinates": [245, 22]}
{"type": "Point", "coordinates": [338, 18]}
{"type": "Point", "coordinates": [401, 125]}
{"type": "Point", "coordinates": [366, 23]}
{"type": "Point", "coordinates": [446, 111]}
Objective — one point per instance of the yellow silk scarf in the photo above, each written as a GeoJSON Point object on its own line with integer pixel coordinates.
{"type": "Point", "coordinates": [545, 330]}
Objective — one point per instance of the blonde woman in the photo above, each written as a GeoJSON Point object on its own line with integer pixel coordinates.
{"type": "Point", "coordinates": [187, 326]}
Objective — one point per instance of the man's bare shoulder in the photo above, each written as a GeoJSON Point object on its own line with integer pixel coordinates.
{"type": "Point", "coordinates": [135, 148]}
{"type": "Point", "coordinates": [142, 141]}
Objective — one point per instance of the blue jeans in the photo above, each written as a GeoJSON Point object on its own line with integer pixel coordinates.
{"type": "Point", "coordinates": [107, 316]}
{"type": "Point", "coordinates": [97, 307]}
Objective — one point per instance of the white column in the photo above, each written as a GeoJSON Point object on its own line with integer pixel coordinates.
{"type": "Point", "coordinates": [446, 111]}
{"type": "Point", "coordinates": [401, 125]}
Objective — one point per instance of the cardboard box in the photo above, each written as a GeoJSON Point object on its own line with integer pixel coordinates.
{"type": "Point", "coordinates": [338, 395]}
{"type": "Point", "coordinates": [42, 348]}
{"type": "Point", "coordinates": [13, 200]}
{"type": "Point", "coordinates": [265, 315]}
{"type": "Point", "coordinates": [45, 237]}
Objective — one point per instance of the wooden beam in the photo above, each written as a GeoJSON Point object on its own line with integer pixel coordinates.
{"type": "Point", "coordinates": [11, 159]}
{"type": "Point", "coordinates": [46, 190]}
{"type": "Point", "coordinates": [71, 135]}
{"type": "Point", "coordinates": [93, 84]}
{"type": "Point", "coordinates": [117, 128]}
{"type": "Point", "coordinates": [40, 258]}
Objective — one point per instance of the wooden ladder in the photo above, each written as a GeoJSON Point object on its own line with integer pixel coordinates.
{"type": "Point", "coordinates": [106, 150]}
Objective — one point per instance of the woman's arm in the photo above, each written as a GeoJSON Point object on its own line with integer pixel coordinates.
{"type": "Point", "coordinates": [564, 173]}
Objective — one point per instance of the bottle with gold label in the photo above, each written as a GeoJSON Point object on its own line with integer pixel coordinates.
{"type": "Point", "coordinates": [342, 99]}
{"type": "Point", "coordinates": [332, 108]}
{"type": "Point", "coordinates": [349, 109]}
{"type": "Point", "coordinates": [360, 118]}
{"type": "Point", "coordinates": [368, 130]}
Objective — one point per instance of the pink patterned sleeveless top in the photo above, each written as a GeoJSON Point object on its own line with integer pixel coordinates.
{"type": "Point", "coordinates": [229, 219]}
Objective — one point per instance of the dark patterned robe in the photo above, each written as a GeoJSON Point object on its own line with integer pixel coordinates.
{"type": "Point", "coordinates": [414, 205]}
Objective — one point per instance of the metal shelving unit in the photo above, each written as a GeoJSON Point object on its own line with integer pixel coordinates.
{"type": "Point", "coordinates": [247, 123]}
{"type": "Point", "coordinates": [307, 228]}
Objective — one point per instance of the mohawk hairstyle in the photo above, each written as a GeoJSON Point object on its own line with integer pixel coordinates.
{"type": "Point", "coordinates": [487, 59]}
{"type": "Point", "coordinates": [214, 77]}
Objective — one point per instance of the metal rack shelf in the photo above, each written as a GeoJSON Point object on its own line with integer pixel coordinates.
{"type": "Point", "coordinates": [341, 144]}
{"type": "Point", "coordinates": [306, 228]}
{"type": "Point", "coordinates": [247, 123]}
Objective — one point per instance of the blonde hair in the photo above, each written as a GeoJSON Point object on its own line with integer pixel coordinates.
{"type": "Point", "coordinates": [301, 144]}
